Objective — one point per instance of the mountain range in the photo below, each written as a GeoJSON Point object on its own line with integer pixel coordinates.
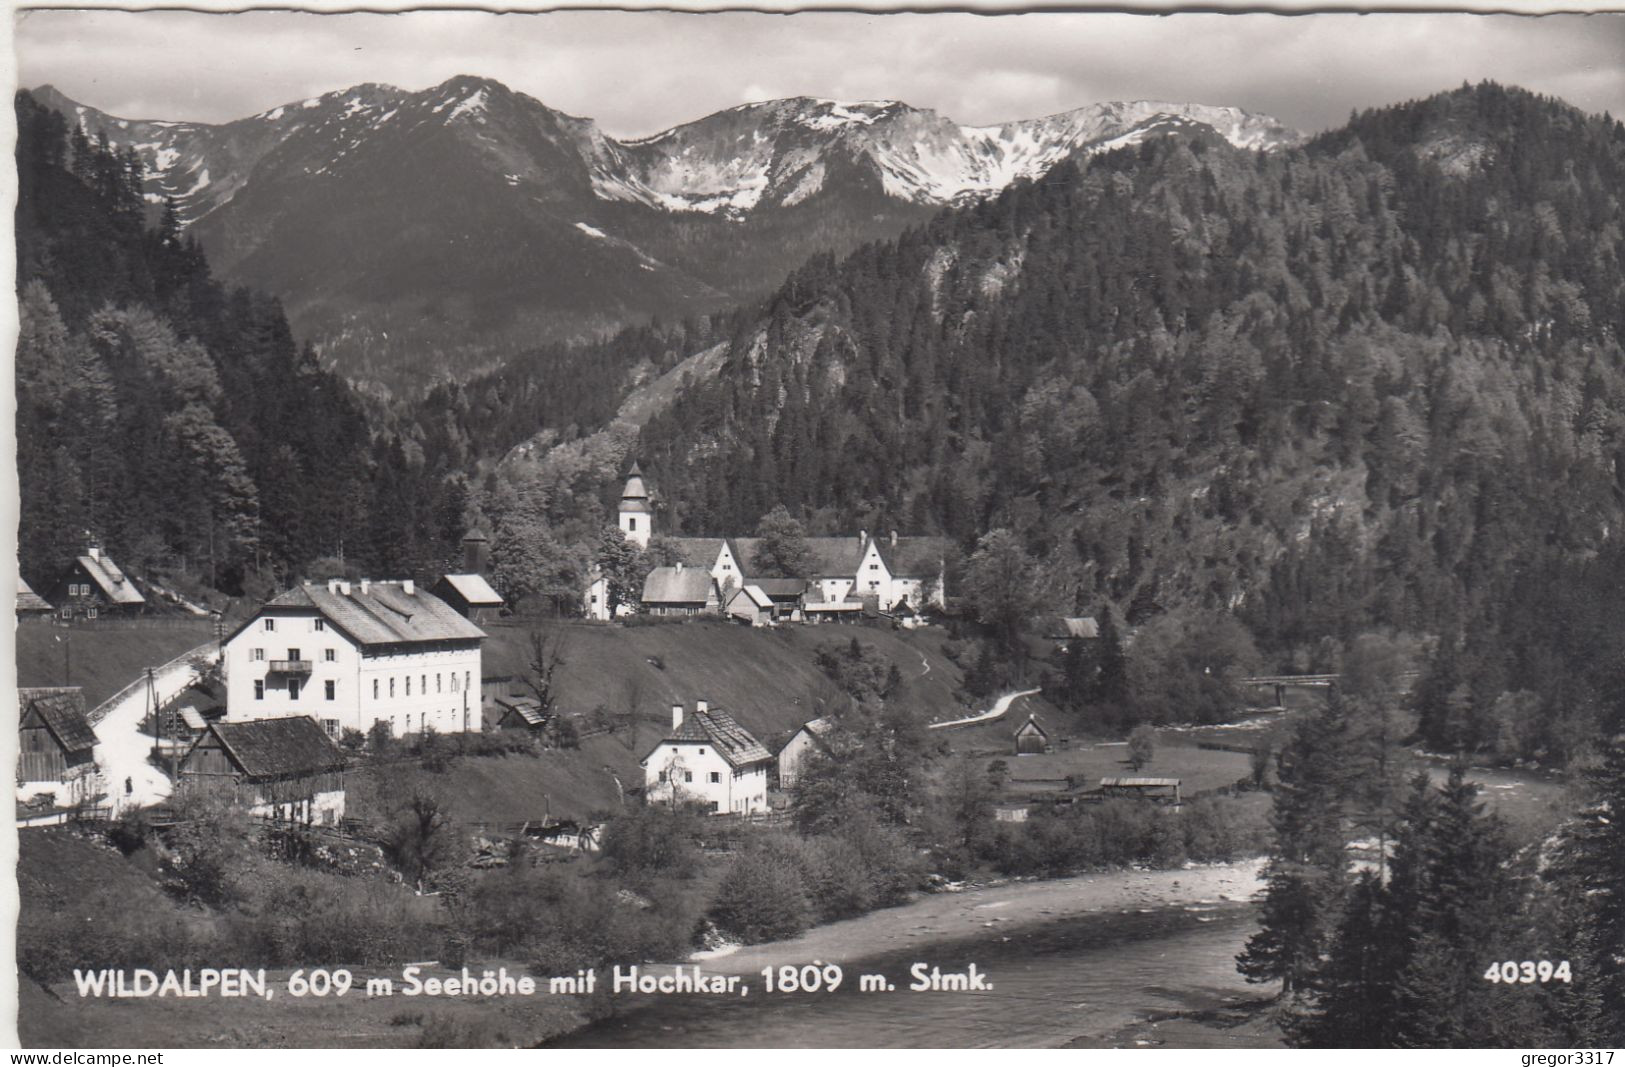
{"type": "Point", "coordinates": [415, 235]}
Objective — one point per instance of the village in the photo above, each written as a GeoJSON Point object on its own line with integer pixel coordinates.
{"type": "Point", "coordinates": [271, 712]}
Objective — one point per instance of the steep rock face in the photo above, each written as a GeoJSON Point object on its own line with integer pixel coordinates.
{"type": "Point", "coordinates": [414, 235]}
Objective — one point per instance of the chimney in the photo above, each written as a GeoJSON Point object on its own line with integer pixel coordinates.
{"type": "Point", "coordinates": [476, 552]}
{"type": "Point", "coordinates": [679, 566]}
{"type": "Point", "coordinates": [409, 587]}
{"type": "Point", "coordinates": [676, 716]}
{"type": "Point", "coordinates": [95, 552]}
{"type": "Point", "coordinates": [863, 538]}
{"type": "Point", "coordinates": [702, 705]}
{"type": "Point", "coordinates": [366, 586]}
{"type": "Point", "coordinates": [344, 587]}
{"type": "Point", "coordinates": [332, 585]}
{"type": "Point", "coordinates": [894, 538]}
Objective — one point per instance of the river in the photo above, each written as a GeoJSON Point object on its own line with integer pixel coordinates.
{"type": "Point", "coordinates": [1084, 978]}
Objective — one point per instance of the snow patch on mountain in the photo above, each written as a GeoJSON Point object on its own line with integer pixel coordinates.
{"type": "Point", "coordinates": [473, 107]}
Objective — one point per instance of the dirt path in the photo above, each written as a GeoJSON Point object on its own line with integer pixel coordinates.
{"type": "Point", "coordinates": [123, 748]}
{"type": "Point", "coordinates": [997, 711]}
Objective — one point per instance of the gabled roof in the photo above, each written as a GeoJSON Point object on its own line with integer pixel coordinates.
{"type": "Point", "coordinates": [1033, 725]}
{"type": "Point", "coordinates": [717, 728]}
{"type": "Point", "coordinates": [525, 708]}
{"type": "Point", "coordinates": [913, 557]}
{"type": "Point", "coordinates": [671, 585]}
{"type": "Point", "coordinates": [474, 590]}
{"type": "Point", "coordinates": [755, 595]}
{"type": "Point", "coordinates": [384, 615]}
{"type": "Point", "coordinates": [62, 710]}
{"type": "Point", "coordinates": [1135, 783]}
{"type": "Point", "coordinates": [276, 748]}
{"type": "Point", "coordinates": [112, 582]}
{"type": "Point", "coordinates": [787, 588]}
{"type": "Point", "coordinates": [701, 551]}
{"type": "Point", "coordinates": [28, 600]}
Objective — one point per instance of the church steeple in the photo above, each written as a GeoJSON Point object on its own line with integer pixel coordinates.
{"type": "Point", "coordinates": [636, 518]}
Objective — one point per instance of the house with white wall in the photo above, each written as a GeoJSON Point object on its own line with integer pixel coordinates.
{"type": "Point", "coordinates": [351, 654]}
{"type": "Point", "coordinates": [813, 737]}
{"type": "Point", "coordinates": [708, 758]}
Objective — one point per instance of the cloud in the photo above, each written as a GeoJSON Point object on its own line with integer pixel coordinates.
{"type": "Point", "coordinates": [637, 73]}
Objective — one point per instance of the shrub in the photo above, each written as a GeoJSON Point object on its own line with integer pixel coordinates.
{"type": "Point", "coordinates": [761, 897]}
{"type": "Point", "coordinates": [653, 839]}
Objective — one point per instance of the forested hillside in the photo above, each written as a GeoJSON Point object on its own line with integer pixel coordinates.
{"type": "Point", "coordinates": [176, 420]}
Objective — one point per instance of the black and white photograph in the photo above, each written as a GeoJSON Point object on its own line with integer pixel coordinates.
{"type": "Point", "coordinates": [633, 529]}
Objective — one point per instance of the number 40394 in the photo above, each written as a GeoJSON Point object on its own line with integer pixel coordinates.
{"type": "Point", "coordinates": [1527, 972]}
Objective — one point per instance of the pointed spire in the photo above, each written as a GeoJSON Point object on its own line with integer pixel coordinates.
{"type": "Point", "coordinates": [634, 485]}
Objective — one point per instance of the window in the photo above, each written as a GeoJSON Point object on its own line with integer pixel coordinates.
{"type": "Point", "coordinates": [392, 689]}
{"type": "Point", "coordinates": [688, 776]}
{"type": "Point", "coordinates": [454, 683]}
{"type": "Point", "coordinates": [375, 689]}
{"type": "Point", "coordinates": [662, 776]}
{"type": "Point", "coordinates": [332, 688]}
{"type": "Point", "coordinates": [331, 726]}
{"type": "Point", "coordinates": [293, 689]}
{"type": "Point", "coordinates": [874, 566]}
{"type": "Point", "coordinates": [270, 624]}
{"type": "Point", "coordinates": [259, 689]}
{"type": "Point", "coordinates": [90, 612]}
{"type": "Point", "coordinates": [330, 655]}
{"type": "Point", "coordinates": [715, 777]}
{"type": "Point", "coordinates": [437, 683]}
{"type": "Point", "coordinates": [258, 655]}
{"type": "Point", "coordinates": [293, 654]}
{"type": "Point", "coordinates": [466, 676]}
{"type": "Point", "coordinates": [632, 521]}
{"type": "Point", "coordinates": [424, 688]}
{"type": "Point", "coordinates": [408, 685]}
{"type": "Point", "coordinates": [319, 624]}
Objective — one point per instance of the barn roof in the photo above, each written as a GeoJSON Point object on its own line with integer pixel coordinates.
{"type": "Point", "coordinates": [781, 587]}
{"type": "Point", "coordinates": [112, 582]}
{"type": "Point", "coordinates": [526, 709]}
{"type": "Point", "coordinates": [1136, 783]}
{"type": "Point", "coordinates": [62, 710]}
{"type": "Point", "coordinates": [677, 585]}
{"type": "Point", "coordinates": [277, 748]}
{"type": "Point", "coordinates": [716, 727]}
{"type": "Point", "coordinates": [754, 594]}
{"type": "Point", "coordinates": [383, 615]}
{"type": "Point", "coordinates": [1031, 724]}
{"type": "Point", "coordinates": [474, 590]}
{"type": "Point", "coordinates": [28, 600]}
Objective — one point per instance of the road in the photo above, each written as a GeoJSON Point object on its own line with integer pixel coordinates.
{"type": "Point", "coordinates": [123, 748]}
{"type": "Point", "coordinates": [997, 711]}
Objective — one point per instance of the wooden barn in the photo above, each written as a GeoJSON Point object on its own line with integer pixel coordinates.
{"type": "Point", "coordinates": [286, 769]}
{"type": "Point", "coordinates": [56, 747]}
{"type": "Point", "coordinates": [1164, 789]}
{"type": "Point", "coordinates": [1032, 739]}
{"type": "Point", "coordinates": [519, 713]}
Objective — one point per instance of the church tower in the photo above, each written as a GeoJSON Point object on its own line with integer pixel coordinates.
{"type": "Point", "coordinates": [636, 518]}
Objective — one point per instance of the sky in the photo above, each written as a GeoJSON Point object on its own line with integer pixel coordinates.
{"type": "Point", "coordinates": [637, 73]}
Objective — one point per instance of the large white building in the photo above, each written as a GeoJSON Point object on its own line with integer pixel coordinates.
{"type": "Point", "coordinates": [351, 654]}
{"type": "Point", "coordinates": [708, 758]}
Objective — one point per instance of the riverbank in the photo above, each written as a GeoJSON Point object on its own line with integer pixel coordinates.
{"type": "Point", "coordinates": [1106, 949]}
{"type": "Point", "coordinates": [1085, 960]}
{"type": "Point", "coordinates": [1001, 907]}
